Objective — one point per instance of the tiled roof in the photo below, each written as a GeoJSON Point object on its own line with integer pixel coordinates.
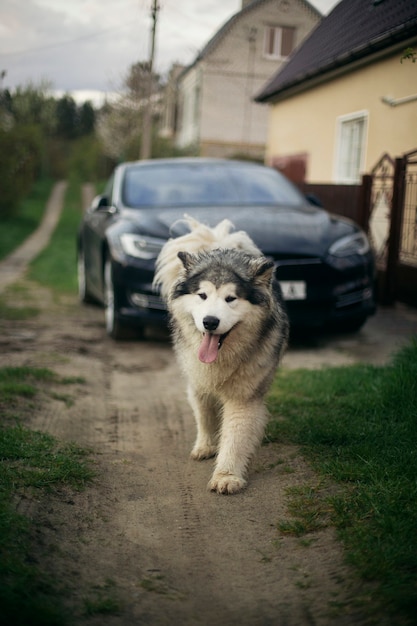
{"type": "Point", "coordinates": [353, 30]}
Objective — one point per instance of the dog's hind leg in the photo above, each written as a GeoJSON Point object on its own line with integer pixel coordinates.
{"type": "Point", "coordinates": [242, 431]}
{"type": "Point", "coordinates": [206, 413]}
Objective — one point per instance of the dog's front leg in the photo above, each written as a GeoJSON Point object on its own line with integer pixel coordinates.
{"type": "Point", "coordinates": [206, 413]}
{"type": "Point", "coordinates": [242, 431]}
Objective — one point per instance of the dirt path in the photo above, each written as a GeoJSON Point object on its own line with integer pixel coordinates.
{"type": "Point", "coordinates": [14, 265]}
{"type": "Point", "coordinates": [174, 552]}
{"type": "Point", "coordinates": [147, 533]}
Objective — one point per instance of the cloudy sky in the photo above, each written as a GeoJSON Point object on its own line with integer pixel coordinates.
{"type": "Point", "coordinates": [89, 45]}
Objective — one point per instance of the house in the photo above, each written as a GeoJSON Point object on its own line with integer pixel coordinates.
{"type": "Point", "coordinates": [169, 110]}
{"type": "Point", "coordinates": [346, 95]}
{"type": "Point", "coordinates": [216, 112]}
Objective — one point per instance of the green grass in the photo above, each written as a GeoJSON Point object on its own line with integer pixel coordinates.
{"type": "Point", "coordinates": [16, 229]}
{"type": "Point", "coordinates": [358, 425]}
{"type": "Point", "coordinates": [34, 463]}
{"type": "Point", "coordinates": [55, 267]}
{"type": "Point", "coordinates": [31, 462]}
{"type": "Point", "coordinates": [103, 600]}
{"type": "Point", "coordinates": [18, 381]}
{"type": "Point", "coordinates": [310, 511]}
{"type": "Point", "coordinates": [15, 313]}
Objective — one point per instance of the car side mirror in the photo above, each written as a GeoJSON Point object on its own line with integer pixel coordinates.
{"type": "Point", "coordinates": [314, 200]}
{"type": "Point", "coordinates": [100, 202]}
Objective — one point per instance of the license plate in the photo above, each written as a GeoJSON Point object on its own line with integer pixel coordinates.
{"type": "Point", "coordinates": [293, 289]}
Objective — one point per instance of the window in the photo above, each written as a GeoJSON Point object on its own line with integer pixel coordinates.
{"type": "Point", "coordinates": [351, 147]}
{"type": "Point", "coordinates": [182, 184]}
{"type": "Point", "coordinates": [278, 41]}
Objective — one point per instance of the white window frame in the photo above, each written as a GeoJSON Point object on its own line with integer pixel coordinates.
{"type": "Point", "coordinates": [277, 52]}
{"type": "Point", "coordinates": [350, 150]}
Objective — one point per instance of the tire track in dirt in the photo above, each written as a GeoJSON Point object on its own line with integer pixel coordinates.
{"type": "Point", "coordinates": [175, 553]}
{"type": "Point", "coordinates": [147, 529]}
{"type": "Point", "coordinates": [205, 558]}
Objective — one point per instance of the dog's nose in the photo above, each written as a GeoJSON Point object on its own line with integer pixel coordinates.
{"type": "Point", "coordinates": [210, 322]}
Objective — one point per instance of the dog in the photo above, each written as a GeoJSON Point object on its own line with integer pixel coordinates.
{"type": "Point", "coordinates": [230, 330]}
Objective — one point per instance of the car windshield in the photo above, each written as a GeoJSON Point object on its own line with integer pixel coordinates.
{"type": "Point", "coordinates": [206, 184]}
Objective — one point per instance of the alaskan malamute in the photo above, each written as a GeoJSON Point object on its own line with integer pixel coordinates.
{"type": "Point", "coordinates": [229, 330]}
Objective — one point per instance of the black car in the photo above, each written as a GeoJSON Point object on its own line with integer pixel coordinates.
{"type": "Point", "coordinates": [323, 262]}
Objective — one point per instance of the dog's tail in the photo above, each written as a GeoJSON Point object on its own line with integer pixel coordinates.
{"type": "Point", "coordinates": [200, 238]}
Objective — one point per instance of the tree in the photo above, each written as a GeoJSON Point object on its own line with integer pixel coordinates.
{"type": "Point", "coordinates": [119, 124]}
{"type": "Point", "coordinates": [118, 130]}
{"type": "Point", "coordinates": [86, 119]}
{"type": "Point", "coordinates": [136, 81]}
{"type": "Point", "coordinates": [66, 118]}
{"type": "Point", "coordinates": [37, 133]}
{"type": "Point", "coordinates": [20, 159]}
{"type": "Point", "coordinates": [26, 118]}
{"type": "Point", "coordinates": [32, 104]}
{"type": "Point", "coordinates": [409, 53]}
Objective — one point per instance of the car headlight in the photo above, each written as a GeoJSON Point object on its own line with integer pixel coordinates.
{"type": "Point", "coordinates": [140, 247]}
{"type": "Point", "coordinates": [351, 244]}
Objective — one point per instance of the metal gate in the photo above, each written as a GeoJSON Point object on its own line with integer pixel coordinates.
{"type": "Point", "coordinates": [408, 249]}
{"type": "Point", "coordinates": [392, 225]}
{"type": "Point", "coordinates": [382, 177]}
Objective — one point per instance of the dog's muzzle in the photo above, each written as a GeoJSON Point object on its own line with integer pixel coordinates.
{"type": "Point", "coordinates": [210, 322]}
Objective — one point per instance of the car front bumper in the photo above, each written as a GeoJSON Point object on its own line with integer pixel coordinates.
{"type": "Point", "coordinates": [331, 296]}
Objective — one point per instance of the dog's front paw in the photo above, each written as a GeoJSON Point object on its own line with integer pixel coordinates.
{"type": "Point", "coordinates": [226, 483]}
{"type": "Point", "coordinates": [199, 453]}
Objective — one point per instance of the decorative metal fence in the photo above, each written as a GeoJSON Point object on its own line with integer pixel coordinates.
{"type": "Point", "coordinates": [385, 205]}
{"type": "Point", "coordinates": [379, 211]}
{"type": "Point", "coordinates": [408, 248]}
{"type": "Point", "coordinates": [392, 219]}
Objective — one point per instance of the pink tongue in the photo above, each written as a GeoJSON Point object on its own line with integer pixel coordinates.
{"type": "Point", "coordinates": [209, 348]}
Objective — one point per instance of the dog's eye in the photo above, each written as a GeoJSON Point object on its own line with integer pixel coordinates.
{"type": "Point", "coordinates": [203, 296]}
{"type": "Point", "coordinates": [230, 299]}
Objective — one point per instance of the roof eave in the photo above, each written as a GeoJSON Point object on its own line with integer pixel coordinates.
{"type": "Point", "coordinates": [380, 47]}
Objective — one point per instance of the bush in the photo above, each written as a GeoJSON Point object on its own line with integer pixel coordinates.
{"type": "Point", "coordinates": [20, 163]}
{"type": "Point", "coordinates": [87, 161]}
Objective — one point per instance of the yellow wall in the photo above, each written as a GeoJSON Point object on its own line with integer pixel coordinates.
{"type": "Point", "coordinates": [308, 122]}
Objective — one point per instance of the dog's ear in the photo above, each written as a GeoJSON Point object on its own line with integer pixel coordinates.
{"type": "Point", "coordinates": [263, 270]}
{"type": "Point", "coordinates": [186, 259]}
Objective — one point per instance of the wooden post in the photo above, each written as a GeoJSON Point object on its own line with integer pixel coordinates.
{"type": "Point", "coordinates": [394, 239]}
{"type": "Point", "coordinates": [146, 143]}
{"type": "Point", "coordinates": [365, 202]}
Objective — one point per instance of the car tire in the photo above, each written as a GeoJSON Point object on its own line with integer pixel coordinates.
{"type": "Point", "coordinates": [113, 326]}
{"type": "Point", "coordinates": [83, 293]}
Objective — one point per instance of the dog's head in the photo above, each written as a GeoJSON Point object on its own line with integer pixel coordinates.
{"type": "Point", "coordinates": [219, 290]}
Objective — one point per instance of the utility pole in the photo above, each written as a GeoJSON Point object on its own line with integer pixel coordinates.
{"type": "Point", "coordinates": [146, 144]}
{"type": "Point", "coordinates": [247, 105]}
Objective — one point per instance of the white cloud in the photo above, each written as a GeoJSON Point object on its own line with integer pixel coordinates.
{"type": "Point", "coordinates": [90, 44]}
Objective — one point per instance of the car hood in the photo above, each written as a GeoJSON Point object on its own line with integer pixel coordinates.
{"type": "Point", "coordinates": [303, 231]}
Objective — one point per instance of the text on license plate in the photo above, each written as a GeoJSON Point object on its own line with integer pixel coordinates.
{"type": "Point", "coordinates": [293, 289]}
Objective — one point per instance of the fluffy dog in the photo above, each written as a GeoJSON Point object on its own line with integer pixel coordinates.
{"type": "Point", "coordinates": [229, 333]}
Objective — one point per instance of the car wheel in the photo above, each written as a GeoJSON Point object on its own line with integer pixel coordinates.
{"type": "Point", "coordinates": [83, 293]}
{"type": "Point", "coordinates": [113, 326]}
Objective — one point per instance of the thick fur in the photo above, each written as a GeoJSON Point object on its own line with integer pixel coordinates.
{"type": "Point", "coordinates": [200, 237]}
{"type": "Point", "coordinates": [220, 291]}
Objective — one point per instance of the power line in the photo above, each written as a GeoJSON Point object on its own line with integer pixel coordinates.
{"type": "Point", "coordinates": [69, 42]}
